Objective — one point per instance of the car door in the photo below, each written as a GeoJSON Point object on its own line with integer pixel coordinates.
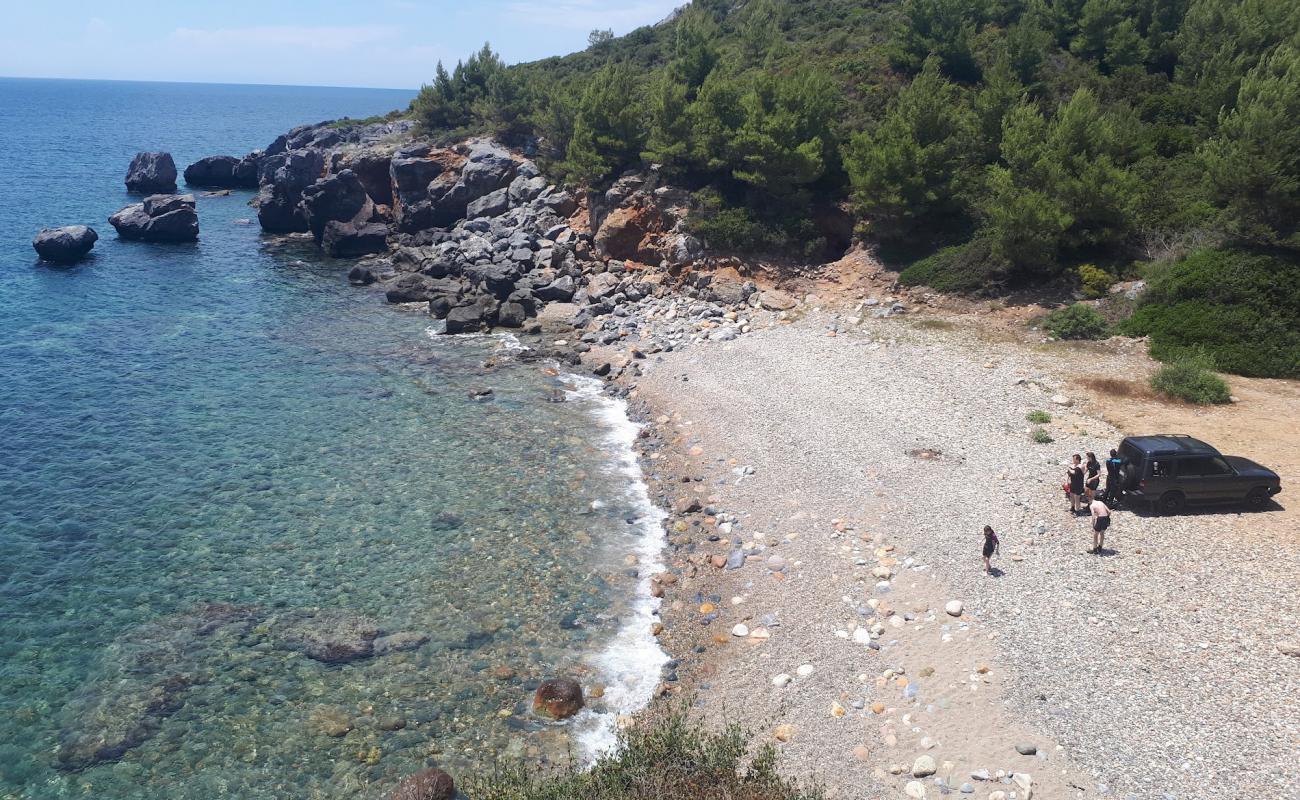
{"type": "Point", "coordinates": [1206, 478]}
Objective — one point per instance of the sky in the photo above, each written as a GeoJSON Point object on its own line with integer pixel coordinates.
{"type": "Point", "coordinates": [374, 43]}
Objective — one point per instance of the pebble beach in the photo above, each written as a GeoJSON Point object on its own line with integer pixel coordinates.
{"type": "Point", "coordinates": [830, 476]}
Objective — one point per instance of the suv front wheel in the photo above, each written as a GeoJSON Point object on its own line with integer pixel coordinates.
{"type": "Point", "coordinates": [1172, 502]}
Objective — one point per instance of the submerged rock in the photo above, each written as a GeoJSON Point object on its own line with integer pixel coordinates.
{"type": "Point", "coordinates": [145, 677]}
{"type": "Point", "coordinates": [329, 636]}
{"type": "Point", "coordinates": [151, 173]}
{"type": "Point", "coordinates": [66, 245]}
{"type": "Point", "coordinates": [559, 698]}
{"type": "Point", "coordinates": [400, 641]}
{"type": "Point", "coordinates": [427, 784]}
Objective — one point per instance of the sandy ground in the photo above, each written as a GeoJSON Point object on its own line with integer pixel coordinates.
{"type": "Point", "coordinates": [877, 455]}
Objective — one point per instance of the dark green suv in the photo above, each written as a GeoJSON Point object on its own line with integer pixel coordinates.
{"type": "Point", "coordinates": [1169, 471]}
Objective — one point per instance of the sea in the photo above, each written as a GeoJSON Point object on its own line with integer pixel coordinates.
{"type": "Point", "coordinates": [204, 444]}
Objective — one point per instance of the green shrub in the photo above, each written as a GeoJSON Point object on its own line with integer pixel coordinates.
{"type": "Point", "coordinates": [1079, 321]}
{"type": "Point", "coordinates": [1190, 378]}
{"type": "Point", "coordinates": [1041, 436]}
{"type": "Point", "coordinates": [1038, 417]}
{"type": "Point", "coordinates": [966, 269]}
{"type": "Point", "coordinates": [669, 758]}
{"type": "Point", "coordinates": [1094, 281]}
{"type": "Point", "coordinates": [1240, 308]}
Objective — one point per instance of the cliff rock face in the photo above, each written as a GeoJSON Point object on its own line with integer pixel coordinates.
{"type": "Point", "coordinates": [335, 198]}
{"type": "Point", "coordinates": [151, 173]}
{"type": "Point", "coordinates": [284, 177]}
{"type": "Point", "coordinates": [224, 172]}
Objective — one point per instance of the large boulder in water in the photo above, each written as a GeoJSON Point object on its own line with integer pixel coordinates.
{"type": "Point", "coordinates": [66, 245]}
{"type": "Point", "coordinates": [352, 239]}
{"type": "Point", "coordinates": [223, 172]}
{"type": "Point", "coordinates": [151, 173]}
{"type": "Point", "coordinates": [160, 218]}
{"type": "Point", "coordinates": [336, 198]}
{"type": "Point", "coordinates": [283, 179]}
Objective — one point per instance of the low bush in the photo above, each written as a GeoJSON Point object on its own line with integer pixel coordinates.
{"type": "Point", "coordinates": [1094, 281]}
{"type": "Point", "coordinates": [1038, 417]}
{"type": "Point", "coordinates": [668, 758]}
{"type": "Point", "coordinates": [966, 269]}
{"type": "Point", "coordinates": [1240, 308]}
{"type": "Point", "coordinates": [1041, 436]}
{"type": "Point", "coordinates": [1190, 378]}
{"type": "Point", "coordinates": [1079, 321]}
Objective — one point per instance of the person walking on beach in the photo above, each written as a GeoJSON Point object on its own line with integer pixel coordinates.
{"type": "Point", "coordinates": [1094, 476]}
{"type": "Point", "coordinates": [1113, 487]}
{"type": "Point", "coordinates": [1100, 522]}
{"type": "Point", "coordinates": [1075, 476]}
{"type": "Point", "coordinates": [991, 546]}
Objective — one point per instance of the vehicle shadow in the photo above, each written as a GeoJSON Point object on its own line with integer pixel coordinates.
{"type": "Point", "coordinates": [1144, 510]}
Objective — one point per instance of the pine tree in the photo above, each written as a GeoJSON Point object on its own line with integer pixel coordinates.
{"type": "Point", "coordinates": [606, 130]}
{"type": "Point", "coordinates": [906, 171]}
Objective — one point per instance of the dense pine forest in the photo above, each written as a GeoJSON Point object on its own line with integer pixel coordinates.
{"type": "Point", "coordinates": [979, 145]}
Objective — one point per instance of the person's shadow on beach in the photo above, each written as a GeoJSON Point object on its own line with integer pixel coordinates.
{"type": "Point", "coordinates": [994, 572]}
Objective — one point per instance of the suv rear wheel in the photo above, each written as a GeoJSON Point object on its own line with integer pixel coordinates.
{"type": "Point", "coordinates": [1172, 502]}
{"type": "Point", "coordinates": [1257, 498]}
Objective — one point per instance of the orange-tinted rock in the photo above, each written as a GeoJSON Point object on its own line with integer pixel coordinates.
{"type": "Point", "coordinates": [427, 784]}
{"type": "Point", "coordinates": [558, 699]}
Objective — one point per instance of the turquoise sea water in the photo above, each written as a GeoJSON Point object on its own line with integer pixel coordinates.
{"type": "Point", "coordinates": [229, 423]}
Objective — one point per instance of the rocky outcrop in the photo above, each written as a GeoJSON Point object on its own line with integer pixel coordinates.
{"type": "Point", "coordinates": [335, 198]}
{"type": "Point", "coordinates": [151, 173]}
{"type": "Point", "coordinates": [66, 245]}
{"type": "Point", "coordinates": [625, 234]}
{"type": "Point", "coordinates": [283, 179]}
{"type": "Point", "coordinates": [372, 167]}
{"type": "Point", "coordinates": [427, 784]}
{"type": "Point", "coordinates": [160, 218]}
{"type": "Point", "coordinates": [558, 699]}
{"type": "Point", "coordinates": [224, 172]}
{"type": "Point", "coordinates": [411, 170]}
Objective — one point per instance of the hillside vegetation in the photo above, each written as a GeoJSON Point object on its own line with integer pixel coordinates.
{"type": "Point", "coordinates": [979, 144]}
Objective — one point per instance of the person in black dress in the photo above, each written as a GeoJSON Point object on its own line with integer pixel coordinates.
{"type": "Point", "coordinates": [1094, 476]}
{"type": "Point", "coordinates": [1075, 476]}
{"type": "Point", "coordinates": [991, 546]}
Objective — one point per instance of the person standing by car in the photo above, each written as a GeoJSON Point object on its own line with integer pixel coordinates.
{"type": "Point", "coordinates": [1094, 476]}
{"type": "Point", "coordinates": [1075, 477]}
{"type": "Point", "coordinates": [1100, 522]}
{"type": "Point", "coordinates": [1113, 481]}
{"type": "Point", "coordinates": [991, 546]}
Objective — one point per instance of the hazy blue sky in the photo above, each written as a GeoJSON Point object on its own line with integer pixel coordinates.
{"type": "Point", "coordinates": [385, 43]}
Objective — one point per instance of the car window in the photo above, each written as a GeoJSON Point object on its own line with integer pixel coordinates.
{"type": "Point", "coordinates": [1159, 469]}
{"type": "Point", "coordinates": [1203, 466]}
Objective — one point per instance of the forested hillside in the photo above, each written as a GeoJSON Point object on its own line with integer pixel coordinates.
{"type": "Point", "coordinates": [978, 143]}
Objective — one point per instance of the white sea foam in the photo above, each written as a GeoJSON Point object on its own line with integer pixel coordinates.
{"type": "Point", "coordinates": [505, 341]}
{"type": "Point", "coordinates": [630, 664]}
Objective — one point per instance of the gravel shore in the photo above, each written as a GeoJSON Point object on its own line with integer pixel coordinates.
{"type": "Point", "coordinates": [860, 462]}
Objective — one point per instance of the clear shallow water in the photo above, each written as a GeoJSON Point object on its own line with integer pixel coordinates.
{"type": "Point", "coordinates": [229, 423]}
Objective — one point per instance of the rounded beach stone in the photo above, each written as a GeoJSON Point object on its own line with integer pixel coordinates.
{"type": "Point", "coordinates": [924, 766]}
{"type": "Point", "coordinates": [915, 790]}
{"type": "Point", "coordinates": [559, 698]}
{"type": "Point", "coordinates": [953, 608]}
{"type": "Point", "coordinates": [427, 784]}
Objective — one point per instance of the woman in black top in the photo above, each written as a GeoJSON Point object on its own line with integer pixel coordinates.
{"type": "Point", "coordinates": [1075, 475]}
{"type": "Point", "coordinates": [991, 546]}
{"type": "Point", "coordinates": [1094, 476]}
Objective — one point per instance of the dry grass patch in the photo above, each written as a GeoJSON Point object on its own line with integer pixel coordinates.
{"type": "Point", "coordinates": [1114, 387]}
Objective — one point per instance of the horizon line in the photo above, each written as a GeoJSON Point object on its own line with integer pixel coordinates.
{"type": "Point", "coordinates": [209, 83]}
